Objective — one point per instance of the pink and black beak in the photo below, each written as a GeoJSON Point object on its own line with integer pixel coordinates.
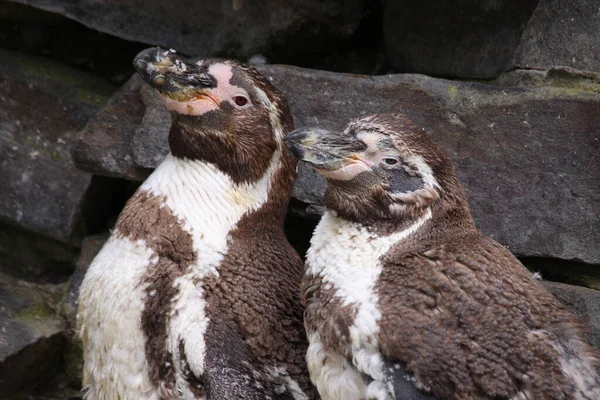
{"type": "Point", "coordinates": [172, 75]}
{"type": "Point", "coordinates": [323, 149]}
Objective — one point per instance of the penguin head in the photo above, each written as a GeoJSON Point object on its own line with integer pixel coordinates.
{"type": "Point", "coordinates": [223, 112]}
{"type": "Point", "coordinates": [381, 167]}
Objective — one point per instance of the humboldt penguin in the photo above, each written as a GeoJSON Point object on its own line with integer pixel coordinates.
{"type": "Point", "coordinates": [405, 298]}
{"type": "Point", "coordinates": [196, 293]}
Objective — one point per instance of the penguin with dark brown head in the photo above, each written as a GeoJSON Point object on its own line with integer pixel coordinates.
{"type": "Point", "coordinates": [195, 294]}
{"type": "Point", "coordinates": [406, 299]}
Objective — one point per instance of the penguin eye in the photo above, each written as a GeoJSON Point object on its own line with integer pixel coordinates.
{"type": "Point", "coordinates": [240, 101]}
{"type": "Point", "coordinates": [390, 161]}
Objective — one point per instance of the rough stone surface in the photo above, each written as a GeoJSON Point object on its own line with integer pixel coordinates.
{"type": "Point", "coordinates": [31, 339]}
{"type": "Point", "coordinates": [129, 136]}
{"type": "Point", "coordinates": [149, 144]}
{"type": "Point", "coordinates": [104, 145]}
{"type": "Point", "coordinates": [528, 156]}
{"type": "Point", "coordinates": [583, 302]}
{"type": "Point", "coordinates": [34, 257]}
{"type": "Point", "coordinates": [561, 33]}
{"type": "Point", "coordinates": [562, 77]}
{"type": "Point", "coordinates": [42, 106]}
{"type": "Point", "coordinates": [443, 38]}
{"type": "Point", "coordinates": [239, 27]}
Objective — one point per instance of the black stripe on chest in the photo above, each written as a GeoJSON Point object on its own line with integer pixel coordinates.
{"type": "Point", "coordinates": [146, 218]}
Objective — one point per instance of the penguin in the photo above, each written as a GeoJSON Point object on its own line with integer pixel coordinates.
{"type": "Point", "coordinates": [406, 299]}
{"type": "Point", "coordinates": [196, 293]}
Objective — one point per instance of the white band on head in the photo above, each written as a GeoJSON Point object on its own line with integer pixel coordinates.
{"type": "Point", "coordinates": [224, 91]}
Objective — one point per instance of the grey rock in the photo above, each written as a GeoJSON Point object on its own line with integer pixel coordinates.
{"type": "Point", "coordinates": [528, 156]}
{"type": "Point", "coordinates": [42, 106]}
{"type": "Point", "coordinates": [128, 137]}
{"type": "Point", "coordinates": [561, 33]}
{"type": "Point", "coordinates": [35, 257]}
{"type": "Point", "coordinates": [104, 145]}
{"type": "Point", "coordinates": [31, 337]}
{"type": "Point", "coordinates": [309, 186]}
{"type": "Point", "coordinates": [583, 302]}
{"type": "Point", "coordinates": [563, 77]}
{"type": "Point", "coordinates": [150, 140]}
{"type": "Point", "coordinates": [465, 38]}
{"type": "Point", "coordinates": [238, 28]}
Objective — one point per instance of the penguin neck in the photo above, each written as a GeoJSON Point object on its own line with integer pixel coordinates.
{"type": "Point", "coordinates": [199, 193]}
{"type": "Point", "coordinates": [382, 228]}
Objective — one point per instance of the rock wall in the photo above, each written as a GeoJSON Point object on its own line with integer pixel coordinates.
{"type": "Point", "coordinates": [510, 89]}
{"type": "Point", "coordinates": [496, 135]}
{"type": "Point", "coordinates": [479, 39]}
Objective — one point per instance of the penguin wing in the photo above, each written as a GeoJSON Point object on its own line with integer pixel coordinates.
{"type": "Point", "coordinates": [243, 382]}
{"type": "Point", "coordinates": [469, 320]}
{"type": "Point", "coordinates": [398, 377]}
{"type": "Point", "coordinates": [232, 372]}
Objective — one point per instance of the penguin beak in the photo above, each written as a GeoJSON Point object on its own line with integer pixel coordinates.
{"type": "Point", "coordinates": [172, 75]}
{"type": "Point", "coordinates": [325, 150]}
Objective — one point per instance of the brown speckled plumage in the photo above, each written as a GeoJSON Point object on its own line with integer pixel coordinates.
{"type": "Point", "coordinates": [460, 313]}
{"type": "Point", "coordinates": [145, 218]}
{"type": "Point", "coordinates": [326, 313]}
{"type": "Point", "coordinates": [256, 294]}
{"type": "Point", "coordinates": [457, 309]}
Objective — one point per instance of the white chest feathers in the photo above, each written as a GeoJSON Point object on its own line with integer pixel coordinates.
{"type": "Point", "coordinates": [208, 206]}
{"type": "Point", "coordinates": [346, 256]}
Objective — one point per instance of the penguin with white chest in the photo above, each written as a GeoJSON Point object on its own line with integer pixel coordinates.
{"type": "Point", "coordinates": [195, 294]}
{"type": "Point", "coordinates": [406, 299]}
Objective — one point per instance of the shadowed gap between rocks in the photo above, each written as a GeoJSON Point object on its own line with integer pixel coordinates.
{"type": "Point", "coordinates": [571, 272]}
{"type": "Point", "coordinates": [103, 202]}
{"type": "Point", "coordinates": [43, 356]}
{"type": "Point", "coordinates": [33, 31]}
{"type": "Point", "coordinates": [36, 32]}
{"type": "Point", "coordinates": [34, 257]}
